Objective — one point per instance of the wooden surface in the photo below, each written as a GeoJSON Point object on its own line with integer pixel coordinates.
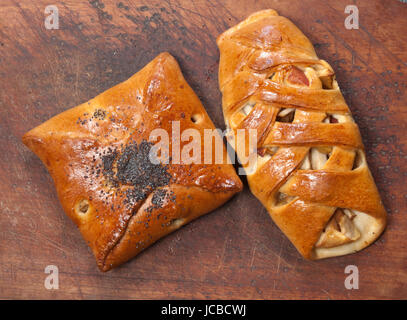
{"type": "Point", "coordinates": [236, 251]}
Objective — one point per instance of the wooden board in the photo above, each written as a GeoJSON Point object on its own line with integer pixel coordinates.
{"type": "Point", "coordinates": [236, 251]}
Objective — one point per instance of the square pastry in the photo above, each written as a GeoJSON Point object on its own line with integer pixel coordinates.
{"type": "Point", "coordinates": [99, 156]}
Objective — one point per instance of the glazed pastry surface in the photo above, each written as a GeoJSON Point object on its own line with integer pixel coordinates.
{"type": "Point", "coordinates": [311, 171]}
{"type": "Point", "coordinates": [98, 156]}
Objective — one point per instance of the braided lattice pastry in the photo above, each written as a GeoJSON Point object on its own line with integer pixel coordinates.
{"type": "Point", "coordinates": [311, 172]}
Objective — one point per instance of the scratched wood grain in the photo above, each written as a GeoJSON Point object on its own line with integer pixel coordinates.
{"type": "Point", "coordinates": [236, 251]}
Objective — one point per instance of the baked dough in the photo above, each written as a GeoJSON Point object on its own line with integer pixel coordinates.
{"type": "Point", "coordinates": [97, 154]}
{"type": "Point", "coordinates": [311, 172]}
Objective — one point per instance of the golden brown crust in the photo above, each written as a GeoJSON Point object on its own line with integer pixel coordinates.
{"type": "Point", "coordinates": [311, 159]}
{"type": "Point", "coordinates": [84, 149]}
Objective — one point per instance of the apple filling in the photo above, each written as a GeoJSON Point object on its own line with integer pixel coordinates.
{"type": "Point", "coordinates": [339, 230]}
{"type": "Point", "coordinates": [286, 115]}
{"type": "Point", "coordinates": [317, 76]}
